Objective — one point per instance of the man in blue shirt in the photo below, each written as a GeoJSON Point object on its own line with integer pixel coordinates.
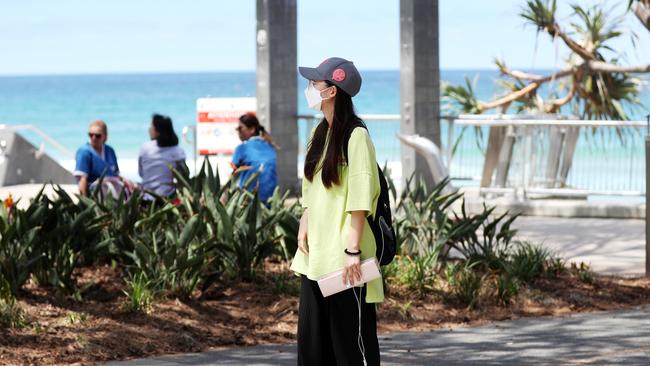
{"type": "Point", "coordinates": [95, 158]}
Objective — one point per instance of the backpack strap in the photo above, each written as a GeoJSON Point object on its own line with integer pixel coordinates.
{"type": "Point", "coordinates": [348, 133]}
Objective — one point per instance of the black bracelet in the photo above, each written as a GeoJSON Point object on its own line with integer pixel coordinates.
{"type": "Point", "coordinates": [351, 253]}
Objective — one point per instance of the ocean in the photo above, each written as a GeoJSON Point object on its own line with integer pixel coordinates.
{"type": "Point", "coordinates": [63, 105]}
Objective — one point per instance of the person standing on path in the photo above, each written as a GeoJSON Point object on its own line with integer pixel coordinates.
{"type": "Point", "coordinates": [337, 196]}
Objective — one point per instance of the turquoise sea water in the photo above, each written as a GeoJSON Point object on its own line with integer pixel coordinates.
{"type": "Point", "coordinates": [62, 106]}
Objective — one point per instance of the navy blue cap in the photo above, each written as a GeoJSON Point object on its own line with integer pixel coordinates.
{"type": "Point", "coordinates": [336, 70]}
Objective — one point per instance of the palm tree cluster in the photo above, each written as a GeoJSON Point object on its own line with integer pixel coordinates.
{"type": "Point", "coordinates": [594, 84]}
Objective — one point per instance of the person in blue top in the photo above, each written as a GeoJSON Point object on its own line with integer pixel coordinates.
{"type": "Point", "coordinates": [255, 154]}
{"type": "Point", "coordinates": [95, 159]}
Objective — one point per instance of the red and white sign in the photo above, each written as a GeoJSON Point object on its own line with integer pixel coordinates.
{"type": "Point", "coordinates": [217, 121]}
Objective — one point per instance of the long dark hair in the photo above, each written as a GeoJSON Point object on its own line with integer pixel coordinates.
{"type": "Point", "coordinates": [166, 135]}
{"type": "Point", "coordinates": [344, 116]}
{"type": "Point", "coordinates": [250, 120]}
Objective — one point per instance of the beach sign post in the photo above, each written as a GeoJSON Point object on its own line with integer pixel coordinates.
{"type": "Point", "coordinates": [216, 127]}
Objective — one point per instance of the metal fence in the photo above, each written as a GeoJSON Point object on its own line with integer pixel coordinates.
{"type": "Point", "coordinates": [607, 157]}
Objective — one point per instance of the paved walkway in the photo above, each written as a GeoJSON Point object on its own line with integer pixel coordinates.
{"type": "Point", "coordinates": [607, 338]}
{"type": "Point", "coordinates": [614, 246]}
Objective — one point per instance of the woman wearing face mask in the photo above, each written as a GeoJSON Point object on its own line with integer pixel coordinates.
{"type": "Point", "coordinates": [338, 195]}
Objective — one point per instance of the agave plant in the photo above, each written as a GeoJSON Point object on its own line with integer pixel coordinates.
{"type": "Point", "coordinates": [20, 243]}
{"type": "Point", "coordinates": [71, 232]}
{"type": "Point", "coordinates": [171, 252]}
{"type": "Point", "coordinates": [423, 220]}
{"type": "Point", "coordinates": [482, 238]}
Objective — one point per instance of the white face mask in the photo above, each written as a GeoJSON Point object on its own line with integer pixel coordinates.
{"type": "Point", "coordinates": [313, 96]}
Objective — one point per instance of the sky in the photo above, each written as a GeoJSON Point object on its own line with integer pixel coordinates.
{"type": "Point", "coordinates": [120, 36]}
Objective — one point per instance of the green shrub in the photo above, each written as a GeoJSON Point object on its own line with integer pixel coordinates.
{"type": "Point", "coordinates": [11, 314]}
{"type": "Point", "coordinates": [507, 287]}
{"type": "Point", "coordinates": [286, 284]}
{"type": "Point", "coordinates": [417, 273]}
{"type": "Point", "coordinates": [72, 233]}
{"type": "Point", "coordinates": [555, 267]}
{"type": "Point", "coordinates": [288, 222]}
{"type": "Point", "coordinates": [528, 261]}
{"type": "Point", "coordinates": [467, 285]}
{"type": "Point", "coordinates": [450, 272]}
{"type": "Point", "coordinates": [584, 273]}
{"type": "Point", "coordinates": [389, 274]}
{"type": "Point", "coordinates": [140, 292]}
{"type": "Point", "coordinates": [171, 252]}
{"type": "Point", "coordinates": [492, 246]}
{"type": "Point", "coordinates": [20, 243]}
{"type": "Point", "coordinates": [422, 220]}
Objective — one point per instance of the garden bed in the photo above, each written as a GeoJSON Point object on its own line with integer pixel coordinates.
{"type": "Point", "coordinates": [62, 330]}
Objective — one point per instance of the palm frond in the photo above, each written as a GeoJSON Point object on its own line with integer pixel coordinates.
{"type": "Point", "coordinates": [540, 13]}
{"type": "Point", "coordinates": [461, 98]}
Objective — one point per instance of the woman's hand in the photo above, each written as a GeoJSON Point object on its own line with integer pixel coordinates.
{"type": "Point", "coordinates": [352, 265]}
{"type": "Point", "coordinates": [302, 233]}
{"type": "Point", "coordinates": [352, 270]}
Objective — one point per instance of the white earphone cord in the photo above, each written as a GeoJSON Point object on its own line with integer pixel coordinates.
{"type": "Point", "coordinates": [362, 348]}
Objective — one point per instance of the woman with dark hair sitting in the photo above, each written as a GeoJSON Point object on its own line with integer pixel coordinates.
{"type": "Point", "coordinates": [158, 156]}
{"type": "Point", "coordinates": [255, 155]}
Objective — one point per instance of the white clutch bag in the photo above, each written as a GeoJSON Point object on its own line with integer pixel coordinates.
{"type": "Point", "coordinates": [332, 283]}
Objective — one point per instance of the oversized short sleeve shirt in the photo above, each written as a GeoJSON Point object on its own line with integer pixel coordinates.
{"type": "Point", "coordinates": [329, 214]}
{"type": "Point", "coordinates": [92, 165]}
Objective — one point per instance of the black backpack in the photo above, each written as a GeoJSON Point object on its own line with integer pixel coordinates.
{"type": "Point", "coordinates": [381, 222]}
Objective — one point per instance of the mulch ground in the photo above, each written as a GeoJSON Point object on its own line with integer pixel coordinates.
{"type": "Point", "coordinates": [65, 331]}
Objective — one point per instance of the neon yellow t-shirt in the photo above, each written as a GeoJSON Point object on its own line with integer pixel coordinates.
{"type": "Point", "coordinates": [329, 214]}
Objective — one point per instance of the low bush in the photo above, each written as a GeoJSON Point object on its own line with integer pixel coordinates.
{"type": "Point", "coordinates": [466, 285]}
{"type": "Point", "coordinates": [417, 273]}
{"type": "Point", "coordinates": [507, 287]}
{"type": "Point", "coordinates": [583, 272]}
{"type": "Point", "coordinates": [11, 314]}
{"type": "Point", "coordinates": [140, 292]}
{"type": "Point", "coordinates": [527, 262]}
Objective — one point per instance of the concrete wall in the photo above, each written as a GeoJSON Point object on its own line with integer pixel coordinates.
{"type": "Point", "coordinates": [23, 163]}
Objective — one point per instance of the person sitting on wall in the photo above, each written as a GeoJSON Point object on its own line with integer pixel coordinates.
{"type": "Point", "coordinates": [158, 156]}
{"type": "Point", "coordinates": [95, 159]}
{"type": "Point", "coordinates": [256, 154]}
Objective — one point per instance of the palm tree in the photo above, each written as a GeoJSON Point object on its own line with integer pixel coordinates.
{"type": "Point", "coordinates": [594, 78]}
{"type": "Point", "coordinates": [594, 84]}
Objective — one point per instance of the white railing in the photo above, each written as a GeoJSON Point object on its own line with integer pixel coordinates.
{"type": "Point", "coordinates": [607, 158]}
{"type": "Point", "coordinates": [62, 149]}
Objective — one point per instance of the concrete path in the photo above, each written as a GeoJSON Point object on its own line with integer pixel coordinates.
{"type": "Point", "coordinates": [606, 338]}
{"type": "Point", "coordinates": [609, 338]}
{"type": "Point", "coordinates": [613, 246]}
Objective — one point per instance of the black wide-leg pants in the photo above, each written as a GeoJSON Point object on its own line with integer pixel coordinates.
{"type": "Point", "coordinates": [328, 327]}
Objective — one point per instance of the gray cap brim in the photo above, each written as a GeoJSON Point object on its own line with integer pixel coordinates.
{"type": "Point", "coordinates": [310, 73]}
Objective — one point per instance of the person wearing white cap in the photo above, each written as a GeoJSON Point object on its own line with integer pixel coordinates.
{"type": "Point", "coordinates": [340, 189]}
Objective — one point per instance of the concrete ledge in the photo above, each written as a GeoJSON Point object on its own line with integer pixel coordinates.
{"type": "Point", "coordinates": [554, 207]}
{"type": "Point", "coordinates": [560, 208]}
